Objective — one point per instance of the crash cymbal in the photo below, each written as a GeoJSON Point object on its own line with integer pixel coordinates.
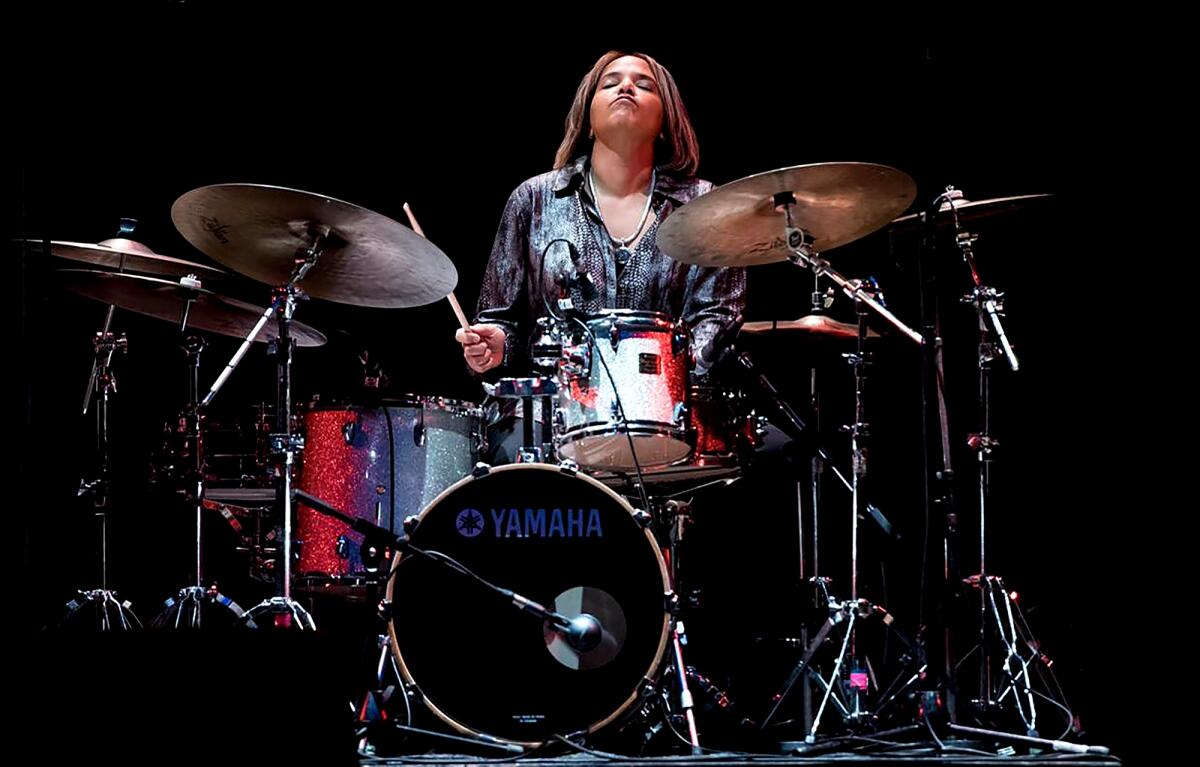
{"type": "Point", "coordinates": [738, 225]}
{"type": "Point", "coordinates": [127, 256]}
{"type": "Point", "coordinates": [367, 259]}
{"type": "Point", "coordinates": [812, 324]}
{"type": "Point", "coordinates": [164, 299]}
{"type": "Point", "coordinates": [969, 210]}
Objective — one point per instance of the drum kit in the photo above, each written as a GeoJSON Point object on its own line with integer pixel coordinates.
{"type": "Point", "coordinates": [393, 500]}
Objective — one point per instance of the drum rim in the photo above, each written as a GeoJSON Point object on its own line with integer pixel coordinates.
{"type": "Point", "coordinates": [658, 429]}
{"type": "Point", "coordinates": [664, 634]}
{"type": "Point", "coordinates": [448, 404]}
{"type": "Point", "coordinates": [638, 318]}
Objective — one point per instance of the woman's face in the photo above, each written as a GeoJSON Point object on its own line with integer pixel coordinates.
{"type": "Point", "coordinates": [627, 102]}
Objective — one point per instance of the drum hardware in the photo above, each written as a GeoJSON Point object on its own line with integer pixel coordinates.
{"type": "Point", "coordinates": [821, 461]}
{"type": "Point", "coordinates": [1008, 653]}
{"type": "Point", "coordinates": [802, 244]}
{"type": "Point", "coordinates": [803, 254]}
{"type": "Point", "coordinates": [543, 388]}
{"type": "Point", "coordinates": [795, 214]}
{"type": "Point", "coordinates": [111, 613]}
{"type": "Point", "coordinates": [186, 303]}
{"type": "Point", "coordinates": [183, 301]}
{"type": "Point", "coordinates": [125, 255]}
{"type": "Point", "coordinates": [651, 362]}
{"type": "Point", "coordinates": [532, 522]}
{"type": "Point", "coordinates": [258, 536]}
{"type": "Point", "coordinates": [854, 684]}
{"type": "Point", "coordinates": [839, 611]}
{"type": "Point", "coordinates": [189, 607]}
{"type": "Point", "coordinates": [583, 633]}
{"type": "Point", "coordinates": [280, 610]}
{"type": "Point", "coordinates": [341, 253]}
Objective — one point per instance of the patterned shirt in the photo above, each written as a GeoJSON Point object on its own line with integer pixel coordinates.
{"type": "Point", "coordinates": [526, 267]}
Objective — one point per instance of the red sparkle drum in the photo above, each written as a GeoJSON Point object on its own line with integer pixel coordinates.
{"type": "Point", "coordinates": [382, 464]}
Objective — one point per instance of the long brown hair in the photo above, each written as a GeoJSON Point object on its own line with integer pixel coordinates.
{"type": "Point", "coordinates": [677, 152]}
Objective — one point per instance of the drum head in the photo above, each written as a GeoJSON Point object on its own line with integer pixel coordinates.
{"type": "Point", "coordinates": [657, 445]}
{"type": "Point", "coordinates": [565, 541]}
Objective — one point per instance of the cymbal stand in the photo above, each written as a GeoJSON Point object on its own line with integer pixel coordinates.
{"type": "Point", "coordinates": [283, 611]}
{"type": "Point", "coordinates": [847, 613]}
{"type": "Point", "coordinates": [111, 612]}
{"type": "Point", "coordinates": [1003, 630]}
{"type": "Point", "coordinates": [187, 608]}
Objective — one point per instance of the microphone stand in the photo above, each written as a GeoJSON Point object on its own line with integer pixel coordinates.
{"type": "Point", "coordinates": [582, 632]}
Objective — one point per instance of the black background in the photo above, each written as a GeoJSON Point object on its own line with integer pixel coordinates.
{"type": "Point", "coordinates": [115, 119]}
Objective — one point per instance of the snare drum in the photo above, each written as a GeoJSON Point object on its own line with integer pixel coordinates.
{"type": "Point", "coordinates": [636, 361]}
{"type": "Point", "coordinates": [722, 431]}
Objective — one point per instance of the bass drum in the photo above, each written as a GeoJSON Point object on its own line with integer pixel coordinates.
{"type": "Point", "coordinates": [558, 538]}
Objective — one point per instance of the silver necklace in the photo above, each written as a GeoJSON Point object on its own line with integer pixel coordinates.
{"type": "Point", "coordinates": [622, 253]}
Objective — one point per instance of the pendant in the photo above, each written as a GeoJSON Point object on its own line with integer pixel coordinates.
{"type": "Point", "coordinates": [622, 255]}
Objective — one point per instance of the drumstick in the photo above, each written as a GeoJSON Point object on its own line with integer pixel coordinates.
{"type": "Point", "coordinates": [458, 312]}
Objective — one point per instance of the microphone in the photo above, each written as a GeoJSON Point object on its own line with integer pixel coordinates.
{"type": "Point", "coordinates": [581, 277]}
{"type": "Point", "coordinates": [582, 633]}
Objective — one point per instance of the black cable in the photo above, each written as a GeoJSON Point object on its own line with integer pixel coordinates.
{"type": "Point", "coordinates": [666, 715]}
{"type": "Point", "coordinates": [936, 739]}
{"type": "Point", "coordinates": [592, 752]}
{"type": "Point", "coordinates": [587, 332]}
{"type": "Point", "coordinates": [1044, 670]}
{"type": "Point", "coordinates": [401, 684]}
{"type": "Point", "coordinates": [454, 564]}
{"type": "Point", "coordinates": [926, 363]}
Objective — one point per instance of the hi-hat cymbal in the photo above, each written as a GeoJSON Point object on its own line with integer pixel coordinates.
{"type": "Point", "coordinates": [367, 259]}
{"type": "Point", "coordinates": [128, 256]}
{"type": "Point", "coordinates": [738, 225]}
{"type": "Point", "coordinates": [164, 299]}
{"type": "Point", "coordinates": [968, 210]}
{"type": "Point", "coordinates": [809, 325]}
